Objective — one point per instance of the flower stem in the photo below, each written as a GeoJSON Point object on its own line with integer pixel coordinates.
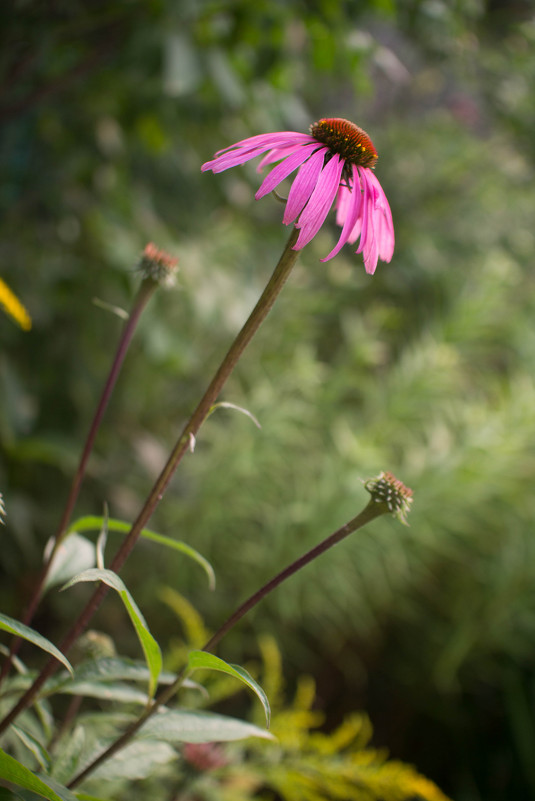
{"type": "Point", "coordinates": [257, 316]}
{"type": "Point", "coordinates": [143, 296]}
{"type": "Point", "coordinates": [370, 512]}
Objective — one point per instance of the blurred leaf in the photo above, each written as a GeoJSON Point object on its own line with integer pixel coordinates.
{"type": "Point", "coordinates": [184, 726]}
{"type": "Point", "coordinates": [202, 659]}
{"type": "Point", "coordinates": [91, 523]}
{"type": "Point", "coordinates": [112, 669]}
{"type": "Point", "coordinates": [153, 655]}
{"type": "Point", "coordinates": [44, 786]}
{"type": "Point", "coordinates": [108, 690]}
{"type": "Point", "coordinates": [228, 405]}
{"type": "Point", "coordinates": [20, 630]}
{"type": "Point", "coordinates": [74, 554]}
{"type": "Point", "coordinates": [70, 754]}
{"type": "Point", "coordinates": [136, 761]}
{"type": "Point", "coordinates": [33, 745]}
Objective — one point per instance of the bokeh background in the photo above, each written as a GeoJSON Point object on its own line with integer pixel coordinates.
{"type": "Point", "coordinates": [107, 111]}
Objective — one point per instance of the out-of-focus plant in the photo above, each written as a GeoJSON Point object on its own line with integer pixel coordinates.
{"type": "Point", "coordinates": [106, 111]}
{"type": "Point", "coordinates": [334, 164]}
{"type": "Point", "coordinates": [302, 762]}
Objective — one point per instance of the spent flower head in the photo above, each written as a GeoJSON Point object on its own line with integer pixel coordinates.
{"type": "Point", "coordinates": [158, 265]}
{"type": "Point", "coordinates": [335, 164]}
{"type": "Point", "coordinates": [391, 492]}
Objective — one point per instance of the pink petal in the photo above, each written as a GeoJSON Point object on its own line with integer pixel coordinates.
{"type": "Point", "coordinates": [303, 185]}
{"type": "Point", "coordinates": [277, 154]}
{"type": "Point", "coordinates": [384, 225]}
{"type": "Point", "coordinates": [365, 215]}
{"type": "Point", "coordinates": [313, 215]}
{"type": "Point", "coordinates": [270, 140]}
{"type": "Point", "coordinates": [350, 203]}
{"type": "Point", "coordinates": [282, 170]}
{"type": "Point", "coordinates": [248, 149]}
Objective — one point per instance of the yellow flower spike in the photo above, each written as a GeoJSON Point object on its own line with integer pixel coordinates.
{"type": "Point", "coordinates": [13, 307]}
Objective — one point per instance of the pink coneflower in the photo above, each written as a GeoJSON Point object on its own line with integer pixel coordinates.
{"type": "Point", "coordinates": [335, 163]}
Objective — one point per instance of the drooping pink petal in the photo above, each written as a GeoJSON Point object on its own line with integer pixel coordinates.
{"type": "Point", "coordinates": [303, 185]}
{"type": "Point", "coordinates": [313, 215]}
{"type": "Point", "coordinates": [364, 217]}
{"type": "Point", "coordinates": [384, 225]}
{"type": "Point", "coordinates": [349, 206]}
{"type": "Point", "coordinates": [277, 154]}
{"type": "Point", "coordinates": [282, 170]}
{"type": "Point", "coordinates": [269, 140]}
{"type": "Point", "coordinates": [248, 149]}
{"type": "Point", "coordinates": [377, 235]}
{"type": "Point", "coordinates": [320, 158]}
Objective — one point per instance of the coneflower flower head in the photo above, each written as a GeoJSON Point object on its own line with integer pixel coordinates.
{"type": "Point", "coordinates": [334, 164]}
{"type": "Point", "coordinates": [390, 491]}
{"type": "Point", "coordinates": [158, 265]}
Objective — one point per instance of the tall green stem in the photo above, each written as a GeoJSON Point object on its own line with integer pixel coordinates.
{"type": "Point", "coordinates": [144, 294]}
{"type": "Point", "coordinates": [257, 316]}
{"type": "Point", "coordinates": [370, 512]}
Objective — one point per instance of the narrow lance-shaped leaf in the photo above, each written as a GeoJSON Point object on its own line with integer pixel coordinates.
{"type": "Point", "coordinates": [202, 659]}
{"type": "Point", "coordinates": [153, 655]}
{"type": "Point", "coordinates": [13, 771]}
{"type": "Point", "coordinates": [33, 745]}
{"type": "Point", "coordinates": [92, 523]}
{"type": "Point", "coordinates": [20, 630]}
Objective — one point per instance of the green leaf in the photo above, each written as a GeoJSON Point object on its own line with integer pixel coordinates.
{"type": "Point", "coordinates": [92, 523]}
{"type": "Point", "coordinates": [202, 659]}
{"type": "Point", "coordinates": [108, 669]}
{"type": "Point", "coordinates": [136, 761]}
{"type": "Point", "coordinates": [185, 726]}
{"type": "Point", "coordinates": [74, 554]}
{"type": "Point", "coordinates": [33, 745]}
{"type": "Point", "coordinates": [153, 655]}
{"type": "Point", "coordinates": [20, 630]}
{"type": "Point", "coordinates": [107, 691]}
{"type": "Point", "coordinates": [12, 771]}
{"type": "Point", "coordinates": [69, 754]}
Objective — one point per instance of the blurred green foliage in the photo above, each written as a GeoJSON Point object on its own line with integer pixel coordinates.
{"type": "Point", "coordinates": [108, 110]}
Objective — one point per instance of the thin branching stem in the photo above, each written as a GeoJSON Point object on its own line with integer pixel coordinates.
{"type": "Point", "coordinates": [257, 316]}
{"type": "Point", "coordinates": [144, 294]}
{"type": "Point", "coordinates": [370, 512]}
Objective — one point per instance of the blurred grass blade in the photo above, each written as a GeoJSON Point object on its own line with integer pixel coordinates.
{"type": "Point", "coordinates": [20, 630]}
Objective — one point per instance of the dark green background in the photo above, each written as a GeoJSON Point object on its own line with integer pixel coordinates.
{"type": "Point", "coordinates": [108, 110]}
